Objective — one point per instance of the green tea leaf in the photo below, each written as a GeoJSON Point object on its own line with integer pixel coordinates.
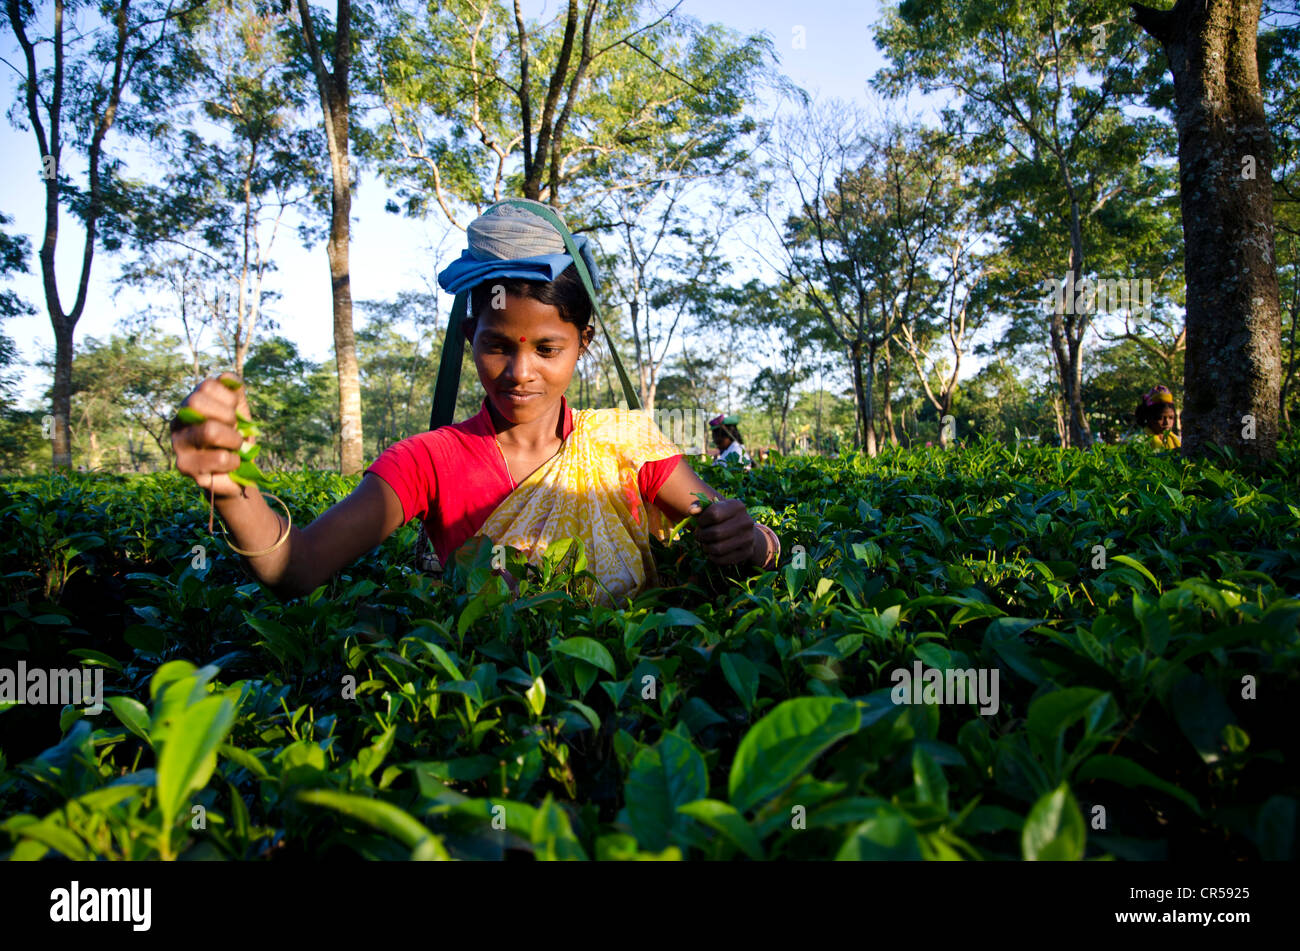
{"type": "Point", "coordinates": [1130, 562]}
{"type": "Point", "coordinates": [742, 675]}
{"type": "Point", "coordinates": [56, 837]}
{"type": "Point", "coordinates": [536, 696]}
{"type": "Point", "coordinates": [725, 820]}
{"type": "Point", "coordinates": [592, 651]}
{"type": "Point", "coordinates": [667, 775]}
{"type": "Point", "coordinates": [1275, 829]}
{"type": "Point", "coordinates": [1051, 714]}
{"type": "Point", "coordinates": [384, 816]}
{"type": "Point", "coordinates": [1119, 769]}
{"type": "Point", "coordinates": [1201, 714]}
{"type": "Point", "coordinates": [928, 779]}
{"type": "Point", "coordinates": [1054, 829]}
{"type": "Point", "coordinates": [189, 755]}
{"type": "Point", "coordinates": [783, 744]}
{"type": "Point", "coordinates": [248, 474]}
{"type": "Point", "coordinates": [552, 836]}
{"type": "Point", "coordinates": [132, 715]}
{"type": "Point", "coordinates": [888, 837]}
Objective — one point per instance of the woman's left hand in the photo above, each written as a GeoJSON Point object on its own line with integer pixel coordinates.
{"type": "Point", "coordinates": [727, 532]}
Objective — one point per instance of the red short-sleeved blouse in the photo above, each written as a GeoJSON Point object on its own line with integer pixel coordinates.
{"type": "Point", "coordinates": [461, 470]}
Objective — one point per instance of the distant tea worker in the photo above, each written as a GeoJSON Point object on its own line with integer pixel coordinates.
{"type": "Point", "coordinates": [726, 436]}
{"type": "Point", "coordinates": [1156, 414]}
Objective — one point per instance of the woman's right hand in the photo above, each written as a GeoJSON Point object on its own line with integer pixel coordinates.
{"type": "Point", "coordinates": [207, 451]}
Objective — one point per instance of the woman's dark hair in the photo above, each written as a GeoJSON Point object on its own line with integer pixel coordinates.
{"type": "Point", "coordinates": [733, 431]}
{"type": "Point", "coordinates": [566, 294]}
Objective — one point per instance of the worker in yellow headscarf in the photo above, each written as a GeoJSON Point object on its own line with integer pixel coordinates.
{"type": "Point", "coordinates": [1156, 414]}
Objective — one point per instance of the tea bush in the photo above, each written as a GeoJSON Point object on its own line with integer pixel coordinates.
{"type": "Point", "coordinates": [1139, 612]}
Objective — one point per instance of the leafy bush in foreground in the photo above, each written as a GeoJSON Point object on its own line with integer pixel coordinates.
{"type": "Point", "coordinates": [1140, 612]}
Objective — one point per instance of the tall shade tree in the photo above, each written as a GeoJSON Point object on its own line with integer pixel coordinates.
{"type": "Point", "coordinates": [295, 402]}
{"type": "Point", "coordinates": [226, 196]}
{"type": "Point", "coordinates": [953, 320]}
{"type": "Point", "coordinates": [819, 154]}
{"type": "Point", "coordinates": [1279, 49]}
{"type": "Point", "coordinates": [690, 380]}
{"type": "Point", "coordinates": [919, 242]}
{"type": "Point", "coordinates": [875, 206]}
{"type": "Point", "coordinates": [484, 103]}
{"type": "Point", "coordinates": [1160, 333]}
{"type": "Point", "coordinates": [177, 285]}
{"type": "Point", "coordinates": [332, 83]}
{"type": "Point", "coordinates": [595, 111]}
{"type": "Point", "coordinates": [670, 243]}
{"type": "Point", "coordinates": [125, 392]}
{"type": "Point", "coordinates": [398, 371]}
{"type": "Point", "coordinates": [779, 322]}
{"type": "Point", "coordinates": [1225, 156]}
{"type": "Point", "coordinates": [84, 88]}
{"type": "Point", "coordinates": [15, 252]}
{"type": "Point", "coordinates": [1042, 82]}
{"type": "Point", "coordinates": [15, 429]}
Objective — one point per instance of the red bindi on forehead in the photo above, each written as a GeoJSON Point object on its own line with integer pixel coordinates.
{"type": "Point", "coordinates": [522, 339]}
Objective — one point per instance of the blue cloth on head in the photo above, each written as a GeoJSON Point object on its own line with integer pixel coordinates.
{"type": "Point", "coordinates": [510, 241]}
{"type": "Point", "coordinates": [467, 271]}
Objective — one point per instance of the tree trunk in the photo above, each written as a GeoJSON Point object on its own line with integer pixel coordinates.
{"type": "Point", "coordinates": [51, 147]}
{"type": "Point", "coordinates": [1284, 390]}
{"type": "Point", "coordinates": [1225, 158]}
{"type": "Point", "coordinates": [642, 370]}
{"type": "Point", "coordinates": [1061, 356]}
{"type": "Point", "coordinates": [1079, 430]}
{"type": "Point", "coordinates": [944, 406]}
{"type": "Point", "coordinates": [817, 428]}
{"type": "Point", "coordinates": [889, 395]}
{"type": "Point", "coordinates": [1067, 350]}
{"type": "Point", "coordinates": [335, 105]}
{"type": "Point", "coordinates": [866, 430]}
{"type": "Point", "coordinates": [345, 345]}
{"type": "Point", "coordinates": [62, 393]}
{"type": "Point", "coordinates": [785, 416]}
{"type": "Point", "coordinates": [1289, 364]}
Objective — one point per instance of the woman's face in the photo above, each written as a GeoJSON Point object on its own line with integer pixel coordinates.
{"type": "Point", "coordinates": [1165, 421]}
{"type": "Point", "coordinates": [721, 439]}
{"type": "Point", "coordinates": [525, 355]}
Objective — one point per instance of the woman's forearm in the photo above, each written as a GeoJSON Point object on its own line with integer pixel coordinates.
{"type": "Point", "coordinates": [254, 526]}
{"type": "Point", "coordinates": [311, 556]}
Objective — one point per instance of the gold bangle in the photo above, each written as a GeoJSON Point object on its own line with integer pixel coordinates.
{"type": "Point", "coordinates": [776, 550]}
{"type": "Point", "coordinates": [283, 538]}
{"type": "Point", "coordinates": [773, 545]}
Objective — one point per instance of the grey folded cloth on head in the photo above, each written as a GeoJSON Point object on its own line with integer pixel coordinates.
{"type": "Point", "coordinates": [504, 232]}
{"type": "Point", "coordinates": [509, 233]}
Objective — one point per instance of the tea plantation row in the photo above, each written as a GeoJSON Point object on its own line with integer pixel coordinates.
{"type": "Point", "coordinates": [1134, 615]}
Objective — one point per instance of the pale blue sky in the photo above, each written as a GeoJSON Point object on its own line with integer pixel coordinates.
{"type": "Point", "coordinates": [389, 253]}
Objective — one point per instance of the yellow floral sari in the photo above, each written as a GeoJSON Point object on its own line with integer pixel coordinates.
{"type": "Point", "coordinates": [1167, 440]}
{"type": "Point", "coordinates": [588, 490]}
